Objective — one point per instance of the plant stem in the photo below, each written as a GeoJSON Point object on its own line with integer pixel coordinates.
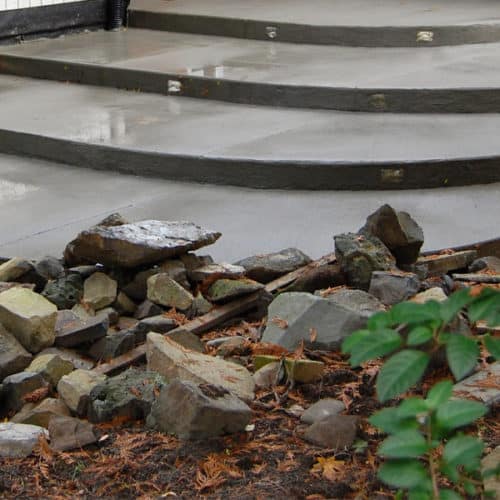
{"type": "Point", "coordinates": [432, 464]}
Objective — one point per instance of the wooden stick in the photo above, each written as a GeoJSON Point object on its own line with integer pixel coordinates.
{"type": "Point", "coordinates": [484, 248]}
{"type": "Point", "coordinates": [477, 278]}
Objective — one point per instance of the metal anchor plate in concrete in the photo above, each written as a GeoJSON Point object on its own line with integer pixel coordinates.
{"type": "Point", "coordinates": [252, 146]}
{"type": "Point", "coordinates": [335, 22]}
{"type": "Point", "coordinates": [439, 79]}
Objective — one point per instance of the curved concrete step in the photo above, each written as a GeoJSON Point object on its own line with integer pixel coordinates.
{"type": "Point", "coordinates": [439, 79]}
{"type": "Point", "coordinates": [189, 139]}
{"type": "Point", "coordinates": [366, 23]}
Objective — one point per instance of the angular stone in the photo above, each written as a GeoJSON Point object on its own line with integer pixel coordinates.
{"type": "Point", "coordinates": [83, 311]}
{"type": "Point", "coordinates": [75, 358]}
{"type": "Point", "coordinates": [299, 370]}
{"type": "Point", "coordinates": [140, 243]}
{"type": "Point", "coordinates": [49, 268]}
{"type": "Point", "coordinates": [318, 278]}
{"type": "Point", "coordinates": [5, 285]}
{"type": "Point", "coordinates": [137, 289]}
{"type": "Point", "coordinates": [221, 270]}
{"type": "Point", "coordinates": [29, 317]}
{"type": "Point", "coordinates": [483, 386]}
{"type": "Point", "coordinates": [113, 345]}
{"type": "Point", "coordinates": [234, 346]}
{"type": "Point", "coordinates": [435, 293]}
{"type": "Point", "coordinates": [321, 323]}
{"type": "Point", "coordinates": [108, 314]}
{"type": "Point", "coordinates": [173, 361]}
{"type": "Point", "coordinates": [165, 291]}
{"type": "Point", "coordinates": [124, 305]}
{"type": "Point", "coordinates": [72, 331]}
{"type": "Point", "coordinates": [359, 256]}
{"type": "Point", "coordinates": [322, 409]}
{"type": "Point", "coordinates": [68, 433]}
{"type": "Point", "coordinates": [436, 265]}
{"type": "Point", "coordinates": [51, 367]}
{"type": "Point", "coordinates": [17, 388]}
{"type": "Point", "coordinates": [13, 356]}
{"type": "Point", "coordinates": [267, 376]}
{"type": "Point", "coordinates": [75, 389]}
{"type": "Point", "coordinates": [99, 291]}
{"type": "Point", "coordinates": [200, 305]}
{"type": "Point", "coordinates": [14, 269]}
{"type": "Point", "coordinates": [147, 309]}
{"type": "Point", "coordinates": [18, 440]}
{"type": "Point", "coordinates": [64, 292]}
{"type": "Point", "coordinates": [158, 324]}
{"type": "Point", "coordinates": [336, 432]}
{"type": "Point", "coordinates": [489, 263]}
{"type": "Point", "coordinates": [41, 413]}
{"type": "Point", "coordinates": [128, 395]}
{"type": "Point", "coordinates": [359, 301]}
{"type": "Point", "coordinates": [492, 483]}
{"type": "Point", "coordinates": [85, 271]}
{"type": "Point", "coordinates": [392, 287]}
{"type": "Point", "coordinates": [225, 290]}
{"type": "Point", "coordinates": [186, 339]}
{"type": "Point", "coordinates": [265, 268]}
{"type": "Point", "coordinates": [193, 261]}
{"type": "Point", "coordinates": [176, 270]}
{"type": "Point", "coordinates": [207, 411]}
{"type": "Point", "coordinates": [114, 219]}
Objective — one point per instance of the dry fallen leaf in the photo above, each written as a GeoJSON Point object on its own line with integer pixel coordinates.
{"type": "Point", "coordinates": [281, 323]}
{"type": "Point", "coordinates": [313, 334]}
{"type": "Point", "coordinates": [329, 467]}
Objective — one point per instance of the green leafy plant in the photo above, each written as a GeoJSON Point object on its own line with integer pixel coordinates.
{"type": "Point", "coordinates": [424, 448]}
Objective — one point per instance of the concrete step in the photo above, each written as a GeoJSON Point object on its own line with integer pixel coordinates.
{"type": "Point", "coordinates": [367, 23]}
{"type": "Point", "coordinates": [252, 146]}
{"type": "Point", "coordinates": [409, 80]}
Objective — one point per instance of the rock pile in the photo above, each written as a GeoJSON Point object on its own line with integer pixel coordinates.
{"type": "Point", "coordinates": [129, 289]}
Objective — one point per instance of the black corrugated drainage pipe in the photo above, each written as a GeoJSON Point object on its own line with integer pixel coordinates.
{"type": "Point", "coordinates": [117, 12]}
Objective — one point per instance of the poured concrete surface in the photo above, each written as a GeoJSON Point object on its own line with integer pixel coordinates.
{"type": "Point", "coordinates": [232, 59]}
{"type": "Point", "coordinates": [45, 205]}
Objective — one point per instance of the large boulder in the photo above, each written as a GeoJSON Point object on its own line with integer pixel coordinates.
{"type": "Point", "coordinates": [265, 268]}
{"type": "Point", "coordinates": [320, 322]}
{"type": "Point", "coordinates": [398, 231]}
{"type": "Point", "coordinates": [202, 411]}
{"type": "Point", "coordinates": [18, 440]}
{"type": "Point", "coordinates": [30, 317]}
{"type": "Point", "coordinates": [174, 361]}
{"type": "Point", "coordinates": [140, 243]}
{"type": "Point", "coordinates": [359, 256]}
{"type": "Point", "coordinates": [13, 356]}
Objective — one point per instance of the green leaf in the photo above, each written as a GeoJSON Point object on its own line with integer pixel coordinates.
{"type": "Point", "coordinates": [389, 421]}
{"type": "Point", "coordinates": [451, 472]}
{"type": "Point", "coordinates": [463, 450]}
{"type": "Point", "coordinates": [439, 394]}
{"type": "Point", "coordinates": [454, 304]}
{"type": "Point", "coordinates": [412, 313]}
{"type": "Point", "coordinates": [462, 353]}
{"type": "Point", "coordinates": [448, 494]}
{"type": "Point", "coordinates": [403, 473]}
{"type": "Point", "coordinates": [375, 344]}
{"type": "Point", "coordinates": [493, 345]}
{"type": "Point", "coordinates": [350, 343]}
{"type": "Point", "coordinates": [380, 320]}
{"type": "Point", "coordinates": [419, 335]}
{"type": "Point", "coordinates": [412, 407]}
{"type": "Point", "coordinates": [407, 444]}
{"type": "Point", "coordinates": [459, 412]}
{"type": "Point", "coordinates": [418, 494]}
{"type": "Point", "coordinates": [400, 372]}
{"type": "Point", "coordinates": [486, 307]}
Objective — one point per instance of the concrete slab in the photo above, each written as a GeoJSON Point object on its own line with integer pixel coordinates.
{"type": "Point", "coordinates": [44, 205]}
{"type": "Point", "coordinates": [189, 139]}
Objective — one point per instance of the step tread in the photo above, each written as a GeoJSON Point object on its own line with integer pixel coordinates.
{"type": "Point", "coordinates": [228, 59]}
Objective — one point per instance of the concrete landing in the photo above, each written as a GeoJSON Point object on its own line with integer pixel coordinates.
{"type": "Point", "coordinates": [342, 22]}
{"type": "Point", "coordinates": [202, 141]}
{"type": "Point", "coordinates": [44, 205]}
{"type": "Point", "coordinates": [439, 79]}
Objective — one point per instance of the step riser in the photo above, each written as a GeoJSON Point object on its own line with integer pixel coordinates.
{"type": "Point", "coordinates": [254, 174]}
{"type": "Point", "coordinates": [354, 36]}
{"type": "Point", "coordinates": [341, 99]}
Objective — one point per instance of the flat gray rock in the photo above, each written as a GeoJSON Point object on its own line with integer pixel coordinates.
{"type": "Point", "coordinates": [13, 356]}
{"type": "Point", "coordinates": [392, 287]}
{"type": "Point", "coordinates": [140, 243]}
{"type": "Point", "coordinates": [17, 387]}
{"type": "Point", "coordinates": [477, 387]}
{"type": "Point", "coordinates": [72, 331]}
{"type": "Point", "coordinates": [225, 290]}
{"type": "Point", "coordinates": [322, 409]}
{"type": "Point", "coordinates": [18, 440]}
{"type": "Point", "coordinates": [41, 413]}
{"type": "Point", "coordinates": [336, 432]}
{"type": "Point", "coordinates": [67, 433]}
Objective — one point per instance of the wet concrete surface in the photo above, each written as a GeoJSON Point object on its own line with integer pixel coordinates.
{"type": "Point", "coordinates": [232, 59]}
{"type": "Point", "coordinates": [44, 205]}
{"type": "Point", "coordinates": [337, 12]}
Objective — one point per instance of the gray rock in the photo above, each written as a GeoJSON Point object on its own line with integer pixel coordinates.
{"type": "Point", "coordinates": [108, 314]}
{"type": "Point", "coordinates": [99, 291]}
{"type": "Point", "coordinates": [64, 292]}
{"type": "Point", "coordinates": [176, 270]}
{"type": "Point", "coordinates": [200, 305]}
{"type": "Point", "coordinates": [475, 388]}
{"type": "Point", "coordinates": [491, 263]}
{"type": "Point", "coordinates": [137, 289]}
{"type": "Point", "coordinates": [18, 440]}
{"type": "Point", "coordinates": [14, 269]}
{"type": "Point", "coordinates": [221, 270]}
{"type": "Point", "coordinates": [129, 395]}
{"type": "Point", "coordinates": [51, 367]}
{"type": "Point", "coordinates": [231, 347]}
{"type": "Point", "coordinates": [13, 356]}
{"type": "Point", "coordinates": [158, 324]}
{"type": "Point", "coordinates": [6, 285]}
{"type": "Point", "coordinates": [206, 411]}
{"type": "Point", "coordinates": [172, 361]}
{"type": "Point", "coordinates": [140, 243]}
{"type": "Point", "coordinates": [147, 309]}
{"type": "Point", "coordinates": [265, 268]}
{"type": "Point", "coordinates": [322, 409]}
{"type": "Point", "coordinates": [165, 291]}
{"type": "Point", "coordinates": [267, 376]}
{"type": "Point", "coordinates": [41, 413]}
{"type": "Point", "coordinates": [436, 293]}
{"type": "Point", "coordinates": [295, 317]}
{"type": "Point", "coordinates": [359, 256]}
{"type": "Point", "coordinates": [68, 433]}
{"type": "Point", "coordinates": [112, 345]}
{"type": "Point", "coordinates": [72, 331]}
{"type": "Point", "coordinates": [114, 219]}
{"type": "Point", "coordinates": [49, 268]}
{"type": "Point", "coordinates": [75, 389]}
{"type": "Point", "coordinates": [29, 317]}
{"type": "Point", "coordinates": [359, 301]}
{"type": "Point", "coordinates": [398, 231]}
{"type": "Point", "coordinates": [392, 287]}
{"type": "Point", "coordinates": [18, 386]}
{"type": "Point", "coordinates": [124, 305]}
{"type": "Point", "coordinates": [77, 360]}
{"type": "Point", "coordinates": [225, 290]}
{"type": "Point", "coordinates": [193, 261]}
{"type": "Point", "coordinates": [336, 432]}
{"type": "Point", "coordinates": [84, 271]}
{"type": "Point", "coordinates": [186, 339]}
{"type": "Point", "coordinates": [318, 278]}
